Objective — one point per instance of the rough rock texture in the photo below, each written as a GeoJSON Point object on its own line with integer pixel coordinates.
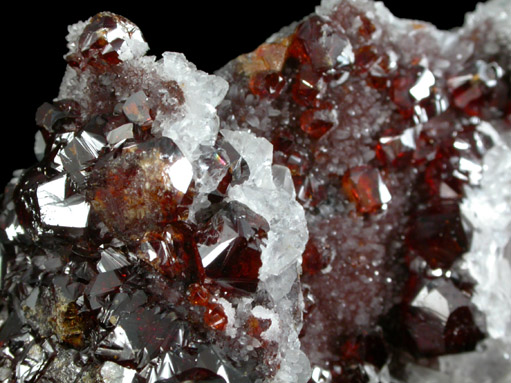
{"type": "Point", "coordinates": [160, 237]}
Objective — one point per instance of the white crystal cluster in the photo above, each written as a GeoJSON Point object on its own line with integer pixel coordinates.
{"type": "Point", "coordinates": [286, 242]}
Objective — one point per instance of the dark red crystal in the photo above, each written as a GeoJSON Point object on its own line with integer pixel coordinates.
{"type": "Point", "coordinates": [215, 317]}
{"type": "Point", "coordinates": [230, 246]}
{"type": "Point", "coordinates": [312, 123]}
{"type": "Point", "coordinates": [437, 234]}
{"type": "Point", "coordinates": [395, 148]}
{"type": "Point", "coordinates": [312, 260]}
{"type": "Point", "coordinates": [461, 333]}
{"type": "Point", "coordinates": [101, 40]}
{"type": "Point", "coordinates": [473, 88]}
{"type": "Point", "coordinates": [364, 186]}
{"type": "Point", "coordinates": [267, 84]}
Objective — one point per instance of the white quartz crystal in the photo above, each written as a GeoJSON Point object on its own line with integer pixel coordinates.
{"type": "Point", "coordinates": [202, 93]}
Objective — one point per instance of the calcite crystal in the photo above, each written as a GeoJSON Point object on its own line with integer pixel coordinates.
{"type": "Point", "coordinates": [333, 207]}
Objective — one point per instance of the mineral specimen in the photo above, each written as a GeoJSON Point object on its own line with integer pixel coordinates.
{"type": "Point", "coordinates": [333, 207]}
{"type": "Point", "coordinates": [146, 243]}
{"type": "Point", "coordinates": [386, 126]}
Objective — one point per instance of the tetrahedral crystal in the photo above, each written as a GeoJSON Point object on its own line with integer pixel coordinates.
{"type": "Point", "coordinates": [332, 207]}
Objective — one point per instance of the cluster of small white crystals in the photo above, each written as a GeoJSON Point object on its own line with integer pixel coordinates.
{"type": "Point", "coordinates": [203, 92]}
{"type": "Point", "coordinates": [195, 130]}
{"type": "Point", "coordinates": [263, 193]}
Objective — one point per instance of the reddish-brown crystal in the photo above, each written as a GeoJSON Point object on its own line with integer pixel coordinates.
{"type": "Point", "coordinates": [96, 47]}
{"type": "Point", "coordinates": [215, 317]}
{"type": "Point", "coordinates": [395, 148]}
{"type": "Point", "coordinates": [135, 192]}
{"type": "Point", "coordinates": [304, 89]}
{"type": "Point", "coordinates": [437, 235]}
{"type": "Point", "coordinates": [173, 252]}
{"type": "Point", "coordinates": [230, 246]}
{"type": "Point", "coordinates": [312, 260]}
{"type": "Point", "coordinates": [312, 124]}
{"type": "Point", "coordinates": [461, 333]}
{"type": "Point", "coordinates": [198, 294]}
{"type": "Point", "coordinates": [267, 84]}
{"type": "Point", "coordinates": [473, 89]}
{"type": "Point", "coordinates": [364, 186]}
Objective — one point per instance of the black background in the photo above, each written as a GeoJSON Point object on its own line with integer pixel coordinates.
{"type": "Point", "coordinates": [209, 33]}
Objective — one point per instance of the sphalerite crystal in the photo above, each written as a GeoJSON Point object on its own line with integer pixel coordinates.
{"type": "Point", "coordinates": [332, 207]}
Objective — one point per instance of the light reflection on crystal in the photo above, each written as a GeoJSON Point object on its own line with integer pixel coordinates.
{"type": "Point", "coordinates": [447, 192]}
{"type": "Point", "coordinates": [421, 89]}
{"type": "Point", "coordinates": [79, 153]}
{"type": "Point", "coordinates": [120, 134]}
{"type": "Point", "coordinates": [28, 368]}
{"type": "Point", "coordinates": [232, 244]}
{"type": "Point", "coordinates": [114, 373]}
{"type": "Point", "coordinates": [111, 260]}
{"type": "Point", "coordinates": [320, 375]}
{"type": "Point", "coordinates": [472, 169]}
{"type": "Point", "coordinates": [396, 148]}
{"type": "Point", "coordinates": [116, 346]}
{"type": "Point", "coordinates": [136, 108]}
{"type": "Point", "coordinates": [209, 359]}
{"type": "Point", "coordinates": [180, 175]}
{"type": "Point", "coordinates": [433, 301]}
{"type": "Point", "coordinates": [364, 186]}
{"type": "Point", "coordinates": [57, 210]}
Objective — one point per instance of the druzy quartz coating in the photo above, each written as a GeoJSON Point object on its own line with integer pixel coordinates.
{"type": "Point", "coordinates": [333, 207]}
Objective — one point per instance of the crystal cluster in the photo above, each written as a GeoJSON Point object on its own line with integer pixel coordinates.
{"type": "Point", "coordinates": [333, 207]}
{"type": "Point", "coordinates": [385, 125]}
{"type": "Point", "coordinates": [145, 243]}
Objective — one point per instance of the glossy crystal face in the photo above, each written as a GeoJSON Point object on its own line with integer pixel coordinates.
{"type": "Point", "coordinates": [310, 214]}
